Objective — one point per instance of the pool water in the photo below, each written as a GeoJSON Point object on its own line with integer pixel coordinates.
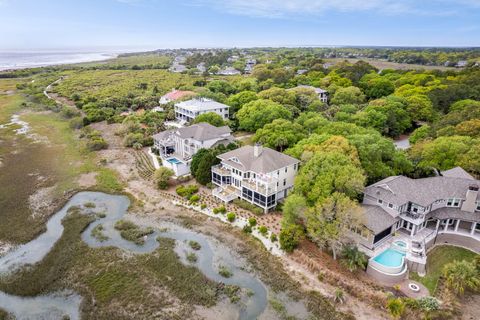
{"type": "Point", "coordinates": [390, 258]}
{"type": "Point", "coordinates": [174, 161]}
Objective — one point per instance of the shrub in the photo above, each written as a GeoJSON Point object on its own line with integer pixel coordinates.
{"type": "Point", "coordinates": [187, 191]}
{"type": "Point", "coordinates": [162, 176]}
{"type": "Point", "coordinates": [248, 206]}
{"type": "Point", "coordinates": [396, 307]}
{"type": "Point", "coordinates": [221, 210]}
{"type": "Point", "coordinates": [290, 237]}
{"type": "Point", "coordinates": [76, 123]}
{"type": "Point", "coordinates": [247, 228]}
{"type": "Point", "coordinates": [195, 198]}
{"type": "Point", "coordinates": [96, 144]}
{"type": "Point", "coordinates": [263, 230]}
{"type": "Point", "coordinates": [203, 206]}
{"type": "Point", "coordinates": [273, 237]}
{"type": "Point", "coordinates": [224, 272]}
{"type": "Point", "coordinates": [252, 222]}
{"type": "Point", "coordinates": [231, 216]}
{"type": "Point", "coordinates": [132, 138]}
{"type": "Point", "coordinates": [428, 304]}
{"type": "Point", "coordinates": [194, 245]}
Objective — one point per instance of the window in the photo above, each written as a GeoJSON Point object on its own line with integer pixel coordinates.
{"type": "Point", "coordinates": [478, 206]}
{"type": "Point", "coordinates": [284, 182]}
{"type": "Point", "coordinates": [286, 168]}
{"type": "Point", "coordinates": [390, 205]}
{"type": "Point", "coordinates": [453, 202]}
{"type": "Point", "coordinates": [380, 201]}
{"type": "Point", "coordinates": [295, 166]}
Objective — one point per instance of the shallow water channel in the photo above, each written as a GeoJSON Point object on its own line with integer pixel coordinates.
{"type": "Point", "coordinates": [114, 207]}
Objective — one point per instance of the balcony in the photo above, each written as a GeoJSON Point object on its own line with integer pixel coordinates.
{"type": "Point", "coordinates": [218, 169]}
{"type": "Point", "coordinates": [260, 186]}
{"type": "Point", "coordinates": [413, 217]}
{"type": "Point", "coordinates": [226, 194]}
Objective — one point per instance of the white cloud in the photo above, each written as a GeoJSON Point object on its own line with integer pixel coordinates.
{"type": "Point", "coordinates": [288, 8]}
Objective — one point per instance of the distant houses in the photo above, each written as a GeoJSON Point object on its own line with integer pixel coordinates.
{"type": "Point", "coordinates": [229, 71]}
{"type": "Point", "coordinates": [176, 147]}
{"type": "Point", "coordinates": [261, 176]}
{"type": "Point", "coordinates": [175, 95]}
{"type": "Point", "coordinates": [189, 110]}
{"type": "Point", "coordinates": [249, 65]}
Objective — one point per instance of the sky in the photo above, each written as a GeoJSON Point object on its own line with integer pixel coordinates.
{"type": "Point", "coordinates": [29, 25]}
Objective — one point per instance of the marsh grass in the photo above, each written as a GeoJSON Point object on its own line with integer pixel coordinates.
{"type": "Point", "coordinates": [131, 232]}
{"type": "Point", "coordinates": [97, 233]}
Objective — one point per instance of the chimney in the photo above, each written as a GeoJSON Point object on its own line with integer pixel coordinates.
{"type": "Point", "coordinates": [470, 204]}
{"type": "Point", "coordinates": [257, 150]}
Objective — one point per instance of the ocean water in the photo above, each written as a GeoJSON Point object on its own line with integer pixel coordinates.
{"type": "Point", "coordinates": [22, 60]}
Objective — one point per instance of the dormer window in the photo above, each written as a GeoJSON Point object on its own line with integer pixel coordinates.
{"type": "Point", "coordinates": [453, 202]}
{"type": "Point", "coordinates": [234, 159]}
{"type": "Point", "coordinates": [380, 201]}
{"type": "Point", "coordinates": [390, 205]}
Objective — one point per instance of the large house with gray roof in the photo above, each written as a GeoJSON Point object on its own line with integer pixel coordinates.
{"type": "Point", "coordinates": [419, 213]}
{"type": "Point", "coordinates": [176, 147]}
{"type": "Point", "coordinates": [259, 175]}
{"type": "Point", "coordinates": [187, 111]}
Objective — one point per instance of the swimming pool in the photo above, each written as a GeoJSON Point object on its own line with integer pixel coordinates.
{"type": "Point", "coordinates": [390, 258]}
{"type": "Point", "coordinates": [174, 161]}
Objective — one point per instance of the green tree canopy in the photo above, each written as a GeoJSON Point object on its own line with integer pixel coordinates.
{"type": "Point", "coordinates": [255, 114]}
{"type": "Point", "coordinates": [210, 117]}
{"type": "Point", "coordinates": [238, 100]}
{"type": "Point", "coordinates": [331, 219]}
{"type": "Point", "coordinates": [279, 134]}
{"type": "Point", "coordinates": [349, 95]}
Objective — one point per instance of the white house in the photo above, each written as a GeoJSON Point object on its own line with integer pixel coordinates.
{"type": "Point", "coordinates": [189, 110]}
{"type": "Point", "coordinates": [322, 94]}
{"type": "Point", "coordinates": [229, 71]}
{"type": "Point", "coordinates": [416, 214]}
{"type": "Point", "coordinates": [177, 146]}
{"type": "Point", "coordinates": [261, 176]}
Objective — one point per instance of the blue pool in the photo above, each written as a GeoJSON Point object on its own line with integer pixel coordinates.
{"type": "Point", "coordinates": [390, 258]}
{"type": "Point", "coordinates": [174, 161]}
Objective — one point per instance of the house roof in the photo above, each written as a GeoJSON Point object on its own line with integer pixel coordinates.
{"type": "Point", "coordinates": [201, 132]}
{"type": "Point", "coordinates": [453, 213]}
{"type": "Point", "coordinates": [317, 90]}
{"type": "Point", "coordinates": [400, 190]}
{"type": "Point", "coordinates": [267, 161]}
{"type": "Point", "coordinates": [457, 172]}
{"type": "Point", "coordinates": [376, 219]}
{"type": "Point", "coordinates": [201, 104]}
{"type": "Point", "coordinates": [177, 94]}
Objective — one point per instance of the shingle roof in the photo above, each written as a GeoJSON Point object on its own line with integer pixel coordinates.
{"type": "Point", "coordinates": [376, 219]}
{"type": "Point", "coordinates": [400, 190]}
{"type": "Point", "coordinates": [201, 104]}
{"type": "Point", "coordinates": [269, 160]}
{"type": "Point", "coordinates": [201, 132]}
{"type": "Point", "coordinates": [453, 213]}
{"type": "Point", "coordinates": [457, 172]}
{"type": "Point", "coordinates": [317, 90]}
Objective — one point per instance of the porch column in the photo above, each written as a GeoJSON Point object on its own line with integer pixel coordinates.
{"type": "Point", "coordinates": [474, 226]}
{"type": "Point", "coordinates": [457, 224]}
{"type": "Point", "coordinates": [438, 225]}
{"type": "Point", "coordinates": [413, 230]}
{"type": "Point", "coordinates": [446, 225]}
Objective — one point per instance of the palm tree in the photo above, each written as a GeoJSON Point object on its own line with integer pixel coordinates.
{"type": "Point", "coordinates": [353, 258]}
{"type": "Point", "coordinates": [396, 307]}
{"type": "Point", "coordinates": [461, 275]}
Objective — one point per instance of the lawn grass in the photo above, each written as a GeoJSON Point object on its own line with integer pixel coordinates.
{"type": "Point", "coordinates": [437, 258]}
